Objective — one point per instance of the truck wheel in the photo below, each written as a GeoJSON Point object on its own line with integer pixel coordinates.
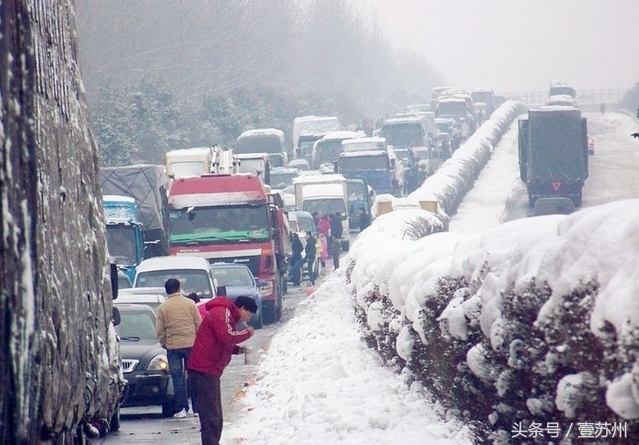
{"type": "Point", "coordinates": [259, 321]}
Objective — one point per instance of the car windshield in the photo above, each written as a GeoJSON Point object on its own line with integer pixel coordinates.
{"type": "Point", "coordinates": [136, 325]}
{"type": "Point", "coordinates": [191, 280]}
{"type": "Point", "coordinates": [232, 276]}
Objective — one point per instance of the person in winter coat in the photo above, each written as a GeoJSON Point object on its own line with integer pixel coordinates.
{"type": "Point", "coordinates": [217, 339]}
{"type": "Point", "coordinates": [324, 225]}
{"type": "Point", "coordinates": [310, 251]}
{"type": "Point", "coordinates": [177, 322]}
{"type": "Point", "coordinates": [321, 244]}
{"type": "Point", "coordinates": [296, 259]}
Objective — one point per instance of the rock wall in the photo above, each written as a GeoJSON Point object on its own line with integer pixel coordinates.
{"type": "Point", "coordinates": [58, 357]}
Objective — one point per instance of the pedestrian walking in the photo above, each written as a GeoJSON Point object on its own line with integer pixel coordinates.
{"type": "Point", "coordinates": [324, 225]}
{"type": "Point", "coordinates": [177, 322]}
{"type": "Point", "coordinates": [321, 244]}
{"type": "Point", "coordinates": [217, 339]}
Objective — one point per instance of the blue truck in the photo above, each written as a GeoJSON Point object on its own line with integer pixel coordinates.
{"type": "Point", "coordinates": [125, 232]}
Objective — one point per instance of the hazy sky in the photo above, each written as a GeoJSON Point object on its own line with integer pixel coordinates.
{"type": "Point", "coordinates": [521, 45]}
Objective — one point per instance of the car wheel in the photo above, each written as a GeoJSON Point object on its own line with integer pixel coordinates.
{"type": "Point", "coordinates": [258, 323]}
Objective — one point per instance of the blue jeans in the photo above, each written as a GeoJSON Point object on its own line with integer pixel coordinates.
{"type": "Point", "coordinates": [177, 361]}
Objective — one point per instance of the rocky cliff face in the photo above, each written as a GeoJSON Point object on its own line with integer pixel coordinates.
{"type": "Point", "coordinates": [58, 357]}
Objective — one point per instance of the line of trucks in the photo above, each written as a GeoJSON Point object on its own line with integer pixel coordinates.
{"type": "Point", "coordinates": [220, 214]}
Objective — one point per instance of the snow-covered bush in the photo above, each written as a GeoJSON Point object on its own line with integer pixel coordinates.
{"type": "Point", "coordinates": [529, 328]}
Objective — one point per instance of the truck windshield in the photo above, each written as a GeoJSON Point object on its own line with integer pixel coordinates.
{"type": "Point", "coordinates": [121, 242]}
{"type": "Point", "coordinates": [364, 163]}
{"type": "Point", "coordinates": [219, 224]}
{"type": "Point", "coordinates": [328, 151]}
{"type": "Point", "coordinates": [324, 206]}
{"type": "Point", "coordinates": [404, 135]}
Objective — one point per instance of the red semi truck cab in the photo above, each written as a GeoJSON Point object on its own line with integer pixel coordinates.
{"type": "Point", "coordinates": [230, 218]}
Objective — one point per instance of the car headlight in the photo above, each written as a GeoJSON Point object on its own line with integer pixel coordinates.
{"type": "Point", "coordinates": [158, 363]}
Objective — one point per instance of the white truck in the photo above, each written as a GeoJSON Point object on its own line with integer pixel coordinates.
{"type": "Point", "coordinates": [307, 130]}
{"type": "Point", "coordinates": [324, 194]}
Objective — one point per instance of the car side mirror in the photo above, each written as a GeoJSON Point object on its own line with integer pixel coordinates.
{"type": "Point", "coordinates": [117, 319]}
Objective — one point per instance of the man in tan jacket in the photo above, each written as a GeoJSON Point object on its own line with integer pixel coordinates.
{"type": "Point", "coordinates": [177, 323]}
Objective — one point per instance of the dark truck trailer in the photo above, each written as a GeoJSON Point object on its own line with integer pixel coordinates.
{"type": "Point", "coordinates": [553, 153]}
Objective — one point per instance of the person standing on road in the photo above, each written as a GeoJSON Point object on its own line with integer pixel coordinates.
{"type": "Point", "coordinates": [217, 339]}
{"type": "Point", "coordinates": [309, 256]}
{"type": "Point", "coordinates": [296, 259]}
{"type": "Point", "coordinates": [177, 322]}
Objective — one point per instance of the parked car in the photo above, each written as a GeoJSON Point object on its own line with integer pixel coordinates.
{"type": "Point", "coordinates": [238, 280]}
{"type": "Point", "coordinates": [151, 296]}
{"type": "Point", "coordinates": [144, 362]}
{"type": "Point", "coordinates": [193, 272]}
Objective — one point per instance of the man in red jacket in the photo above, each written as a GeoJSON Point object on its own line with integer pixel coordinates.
{"type": "Point", "coordinates": [215, 341]}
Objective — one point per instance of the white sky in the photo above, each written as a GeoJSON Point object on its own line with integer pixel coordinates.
{"type": "Point", "coordinates": [520, 45]}
{"type": "Point", "coordinates": [319, 384]}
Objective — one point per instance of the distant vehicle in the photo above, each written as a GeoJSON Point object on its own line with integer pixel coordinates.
{"type": "Point", "coordinates": [238, 280]}
{"type": "Point", "coordinates": [591, 145]}
{"type": "Point", "coordinates": [144, 362]}
{"type": "Point", "coordinates": [485, 96]}
{"type": "Point", "coordinates": [562, 88]}
{"type": "Point", "coordinates": [193, 272]}
{"type": "Point", "coordinates": [257, 163]}
{"type": "Point", "coordinates": [148, 185]}
{"type": "Point", "coordinates": [125, 232]}
{"type": "Point", "coordinates": [282, 177]}
{"type": "Point", "coordinates": [151, 296]}
{"type": "Point", "coordinates": [553, 153]}
{"type": "Point", "coordinates": [264, 140]}
{"type": "Point", "coordinates": [453, 128]}
{"type": "Point", "coordinates": [300, 164]}
{"type": "Point", "coordinates": [307, 130]}
{"type": "Point", "coordinates": [457, 109]}
{"type": "Point", "coordinates": [561, 100]}
{"type": "Point", "coordinates": [418, 108]}
{"type": "Point", "coordinates": [326, 150]}
{"type": "Point", "coordinates": [360, 195]}
{"type": "Point", "coordinates": [186, 162]}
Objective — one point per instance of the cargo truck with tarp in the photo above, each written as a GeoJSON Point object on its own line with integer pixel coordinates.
{"type": "Point", "coordinates": [147, 184]}
{"type": "Point", "coordinates": [553, 153]}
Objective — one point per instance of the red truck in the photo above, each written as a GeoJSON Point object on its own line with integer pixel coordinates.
{"type": "Point", "coordinates": [232, 218]}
